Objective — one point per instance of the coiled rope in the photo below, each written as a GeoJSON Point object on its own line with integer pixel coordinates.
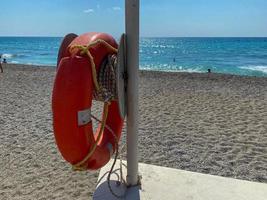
{"type": "Point", "coordinates": [84, 50]}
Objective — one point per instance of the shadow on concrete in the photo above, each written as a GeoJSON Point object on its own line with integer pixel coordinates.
{"type": "Point", "coordinates": [103, 191]}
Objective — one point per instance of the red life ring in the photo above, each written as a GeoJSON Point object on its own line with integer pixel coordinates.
{"type": "Point", "coordinates": [72, 98]}
{"type": "Point", "coordinates": [64, 46]}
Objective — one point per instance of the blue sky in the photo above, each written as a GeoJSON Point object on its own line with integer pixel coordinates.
{"type": "Point", "coordinates": [157, 17]}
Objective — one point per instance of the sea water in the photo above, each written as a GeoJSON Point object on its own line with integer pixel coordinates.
{"type": "Point", "coordinates": [30, 50]}
{"type": "Point", "coordinates": [241, 56]}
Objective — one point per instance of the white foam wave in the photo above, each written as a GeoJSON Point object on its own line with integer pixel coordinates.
{"type": "Point", "coordinates": [7, 55]}
{"type": "Point", "coordinates": [14, 62]}
{"type": "Point", "coordinates": [260, 68]}
{"type": "Point", "coordinates": [164, 67]}
{"type": "Point", "coordinates": [192, 70]}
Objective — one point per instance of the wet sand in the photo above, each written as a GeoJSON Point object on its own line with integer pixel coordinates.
{"type": "Point", "coordinates": [208, 123]}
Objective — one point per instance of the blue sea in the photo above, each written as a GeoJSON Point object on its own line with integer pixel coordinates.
{"type": "Point", "coordinates": [241, 56]}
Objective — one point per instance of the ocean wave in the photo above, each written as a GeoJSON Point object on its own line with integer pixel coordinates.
{"type": "Point", "coordinates": [189, 70]}
{"type": "Point", "coordinates": [260, 68]}
{"type": "Point", "coordinates": [9, 55]}
{"type": "Point", "coordinates": [168, 68]}
{"type": "Point", "coordinates": [45, 54]}
{"type": "Point", "coordinates": [14, 62]}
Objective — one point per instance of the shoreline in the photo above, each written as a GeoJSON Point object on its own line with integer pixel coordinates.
{"type": "Point", "coordinates": [214, 74]}
{"type": "Point", "coordinates": [200, 122]}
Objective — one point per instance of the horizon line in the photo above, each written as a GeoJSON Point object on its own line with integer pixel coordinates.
{"type": "Point", "coordinates": [145, 36]}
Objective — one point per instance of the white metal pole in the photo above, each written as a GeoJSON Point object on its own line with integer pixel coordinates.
{"type": "Point", "coordinates": [132, 63]}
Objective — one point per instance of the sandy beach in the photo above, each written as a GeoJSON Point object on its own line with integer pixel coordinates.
{"type": "Point", "coordinates": [208, 123]}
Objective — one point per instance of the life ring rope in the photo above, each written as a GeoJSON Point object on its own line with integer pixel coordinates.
{"type": "Point", "coordinates": [85, 50]}
{"type": "Point", "coordinates": [80, 165]}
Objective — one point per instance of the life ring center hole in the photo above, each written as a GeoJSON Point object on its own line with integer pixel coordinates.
{"type": "Point", "coordinates": [96, 111]}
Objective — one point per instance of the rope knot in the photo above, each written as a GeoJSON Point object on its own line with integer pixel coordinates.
{"type": "Point", "coordinates": [84, 51]}
{"type": "Point", "coordinates": [79, 49]}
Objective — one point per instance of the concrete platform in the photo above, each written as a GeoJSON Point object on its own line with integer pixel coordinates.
{"type": "Point", "coordinates": [161, 183]}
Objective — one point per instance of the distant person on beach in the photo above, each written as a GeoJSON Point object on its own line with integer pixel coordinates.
{"type": "Point", "coordinates": [1, 68]}
{"type": "Point", "coordinates": [209, 70]}
{"type": "Point", "coordinates": [4, 61]}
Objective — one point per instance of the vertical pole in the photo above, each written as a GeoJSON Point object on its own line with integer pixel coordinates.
{"type": "Point", "coordinates": [132, 63]}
